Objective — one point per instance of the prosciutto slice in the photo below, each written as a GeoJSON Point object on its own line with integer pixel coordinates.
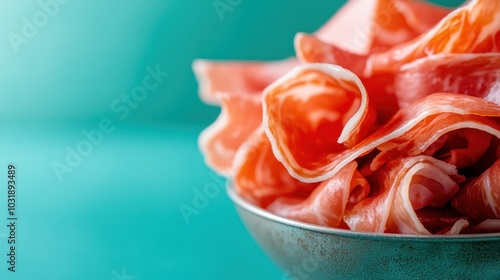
{"type": "Point", "coordinates": [478, 21]}
{"type": "Point", "coordinates": [259, 177]}
{"type": "Point", "coordinates": [488, 226]}
{"type": "Point", "coordinates": [480, 198]}
{"type": "Point", "coordinates": [404, 186]}
{"type": "Point", "coordinates": [387, 120]}
{"type": "Point", "coordinates": [327, 204]}
{"type": "Point", "coordinates": [414, 129]}
{"type": "Point", "coordinates": [240, 116]}
{"type": "Point", "coordinates": [469, 74]}
{"type": "Point", "coordinates": [236, 77]}
{"type": "Point", "coordinates": [377, 26]}
{"type": "Point", "coordinates": [444, 220]}
{"type": "Point", "coordinates": [314, 113]}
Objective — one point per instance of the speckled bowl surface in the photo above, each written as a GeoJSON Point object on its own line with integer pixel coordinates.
{"type": "Point", "coordinates": [307, 251]}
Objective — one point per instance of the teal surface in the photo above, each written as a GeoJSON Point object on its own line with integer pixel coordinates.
{"type": "Point", "coordinates": [119, 210]}
{"type": "Point", "coordinates": [113, 211]}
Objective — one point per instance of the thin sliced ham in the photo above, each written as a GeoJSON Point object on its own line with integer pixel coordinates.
{"type": "Point", "coordinates": [327, 204]}
{"type": "Point", "coordinates": [414, 129]}
{"type": "Point", "coordinates": [388, 120]}
{"type": "Point", "coordinates": [404, 186]}
{"type": "Point", "coordinates": [469, 74]}
{"type": "Point", "coordinates": [462, 148]}
{"type": "Point", "coordinates": [240, 116]}
{"type": "Point", "coordinates": [259, 177]}
{"type": "Point", "coordinates": [480, 198]}
{"type": "Point", "coordinates": [444, 220]}
{"type": "Point", "coordinates": [410, 132]}
{"type": "Point", "coordinates": [488, 226]}
{"type": "Point", "coordinates": [310, 49]}
{"type": "Point", "coordinates": [313, 113]}
{"type": "Point", "coordinates": [380, 87]}
{"type": "Point", "coordinates": [379, 24]}
{"type": "Point", "coordinates": [478, 21]}
{"type": "Point", "coordinates": [236, 77]}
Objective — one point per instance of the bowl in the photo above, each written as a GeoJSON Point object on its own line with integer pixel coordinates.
{"type": "Point", "coordinates": [306, 251]}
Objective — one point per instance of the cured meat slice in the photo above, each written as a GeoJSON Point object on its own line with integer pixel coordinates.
{"type": "Point", "coordinates": [462, 148]}
{"type": "Point", "coordinates": [404, 186]}
{"type": "Point", "coordinates": [478, 21]}
{"type": "Point", "coordinates": [470, 74]}
{"type": "Point", "coordinates": [417, 140]}
{"type": "Point", "coordinates": [259, 177]}
{"type": "Point", "coordinates": [235, 77]}
{"type": "Point", "coordinates": [379, 24]}
{"type": "Point", "coordinates": [327, 203]}
{"type": "Point", "coordinates": [405, 141]}
{"type": "Point", "coordinates": [457, 228]}
{"type": "Point", "coordinates": [414, 129]}
{"type": "Point", "coordinates": [380, 87]}
{"type": "Point", "coordinates": [420, 16]}
{"type": "Point", "coordinates": [488, 226]}
{"type": "Point", "coordinates": [313, 113]}
{"type": "Point", "coordinates": [443, 221]}
{"type": "Point", "coordinates": [480, 198]}
{"type": "Point", "coordinates": [240, 116]}
{"type": "Point", "coordinates": [345, 31]}
{"type": "Point", "coordinates": [310, 49]}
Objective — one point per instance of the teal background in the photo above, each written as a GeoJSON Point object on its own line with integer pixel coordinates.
{"type": "Point", "coordinates": [119, 208]}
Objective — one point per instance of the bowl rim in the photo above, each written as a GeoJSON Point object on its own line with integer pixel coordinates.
{"type": "Point", "coordinates": [262, 213]}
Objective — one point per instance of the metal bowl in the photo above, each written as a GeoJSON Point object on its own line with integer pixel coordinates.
{"type": "Point", "coordinates": [307, 251]}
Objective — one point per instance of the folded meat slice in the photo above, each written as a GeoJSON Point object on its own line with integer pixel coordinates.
{"type": "Point", "coordinates": [487, 226]}
{"type": "Point", "coordinates": [380, 87]}
{"type": "Point", "coordinates": [477, 20]}
{"type": "Point", "coordinates": [421, 15]}
{"type": "Point", "coordinates": [259, 177]}
{"type": "Point", "coordinates": [480, 198]}
{"type": "Point", "coordinates": [421, 137]}
{"type": "Point", "coordinates": [414, 129]}
{"type": "Point", "coordinates": [402, 187]}
{"type": "Point", "coordinates": [313, 113]}
{"type": "Point", "coordinates": [234, 77]}
{"type": "Point", "coordinates": [377, 26]}
{"type": "Point", "coordinates": [463, 148]}
{"type": "Point", "coordinates": [443, 220]}
{"type": "Point", "coordinates": [311, 49]}
{"type": "Point", "coordinates": [327, 203]}
{"type": "Point", "coordinates": [470, 74]}
{"type": "Point", "coordinates": [240, 115]}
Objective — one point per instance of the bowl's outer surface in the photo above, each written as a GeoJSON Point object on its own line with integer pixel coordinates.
{"type": "Point", "coordinates": [305, 253]}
